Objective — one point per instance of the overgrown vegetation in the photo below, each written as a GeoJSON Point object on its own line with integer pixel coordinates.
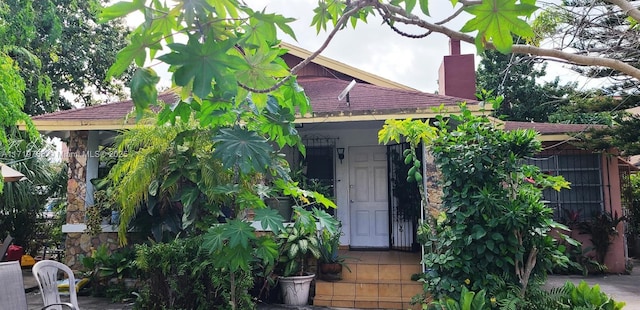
{"type": "Point", "coordinates": [603, 228]}
{"type": "Point", "coordinates": [245, 98]}
{"type": "Point", "coordinates": [179, 275]}
{"type": "Point", "coordinates": [633, 217]}
{"type": "Point", "coordinates": [112, 275]}
{"type": "Point", "coordinates": [568, 296]}
{"type": "Point", "coordinates": [493, 224]}
{"type": "Point", "coordinates": [22, 203]}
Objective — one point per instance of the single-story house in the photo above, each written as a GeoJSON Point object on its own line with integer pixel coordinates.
{"type": "Point", "coordinates": [343, 153]}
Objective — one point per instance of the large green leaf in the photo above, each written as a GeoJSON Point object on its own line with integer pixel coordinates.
{"type": "Point", "coordinates": [239, 233]}
{"type": "Point", "coordinates": [143, 89]}
{"type": "Point", "coordinates": [201, 64]}
{"type": "Point", "coordinates": [119, 9]}
{"type": "Point", "coordinates": [213, 239]}
{"type": "Point", "coordinates": [162, 20]}
{"type": "Point", "coordinates": [236, 260]}
{"type": "Point", "coordinates": [321, 16]}
{"type": "Point", "coordinates": [242, 148]}
{"type": "Point", "coordinates": [136, 50]}
{"type": "Point", "coordinates": [496, 20]}
{"type": "Point", "coordinates": [188, 196]}
{"type": "Point", "coordinates": [268, 21]}
{"type": "Point", "coordinates": [260, 69]}
{"type": "Point", "coordinates": [222, 7]}
{"type": "Point", "coordinates": [266, 249]}
{"type": "Point", "coordinates": [270, 219]}
{"type": "Point", "coordinates": [326, 221]}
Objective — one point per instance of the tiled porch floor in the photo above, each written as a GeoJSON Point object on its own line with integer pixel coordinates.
{"type": "Point", "coordinates": [378, 280]}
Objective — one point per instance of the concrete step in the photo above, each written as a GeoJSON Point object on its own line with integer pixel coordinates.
{"type": "Point", "coordinates": [371, 286]}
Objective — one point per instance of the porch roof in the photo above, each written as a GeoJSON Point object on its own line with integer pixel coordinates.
{"type": "Point", "coordinates": [109, 116]}
{"type": "Point", "coordinates": [366, 102]}
{"type": "Point", "coordinates": [370, 102]}
{"type": "Point", "coordinates": [551, 131]}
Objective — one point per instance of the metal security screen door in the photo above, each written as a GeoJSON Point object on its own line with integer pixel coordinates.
{"type": "Point", "coordinates": [404, 201]}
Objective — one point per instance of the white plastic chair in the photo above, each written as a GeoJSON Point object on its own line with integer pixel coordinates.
{"type": "Point", "coordinates": [46, 273]}
{"type": "Point", "coordinates": [12, 295]}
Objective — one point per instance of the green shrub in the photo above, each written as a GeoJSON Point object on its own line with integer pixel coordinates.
{"type": "Point", "coordinates": [469, 300]}
{"type": "Point", "coordinates": [492, 222]}
{"type": "Point", "coordinates": [585, 297]}
{"type": "Point", "coordinates": [177, 275]}
{"type": "Point", "coordinates": [567, 297]}
{"type": "Point", "coordinates": [107, 272]}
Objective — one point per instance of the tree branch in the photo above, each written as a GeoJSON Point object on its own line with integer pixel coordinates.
{"type": "Point", "coordinates": [579, 59]}
{"type": "Point", "coordinates": [520, 48]}
{"type": "Point", "coordinates": [627, 8]}
{"type": "Point", "coordinates": [339, 25]}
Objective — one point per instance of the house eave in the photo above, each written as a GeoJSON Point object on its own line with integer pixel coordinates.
{"type": "Point", "coordinates": [375, 115]}
{"type": "Point", "coordinates": [557, 137]}
{"type": "Point", "coordinates": [79, 124]}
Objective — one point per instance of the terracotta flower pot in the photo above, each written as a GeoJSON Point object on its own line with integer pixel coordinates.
{"type": "Point", "coordinates": [334, 268]}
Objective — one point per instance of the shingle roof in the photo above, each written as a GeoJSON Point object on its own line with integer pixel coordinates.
{"type": "Point", "coordinates": [366, 98]}
{"type": "Point", "coordinates": [550, 128]}
{"type": "Point", "coordinates": [323, 93]}
{"type": "Point", "coordinates": [109, 111]}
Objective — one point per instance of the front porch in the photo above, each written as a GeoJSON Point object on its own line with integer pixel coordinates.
{"type": "Point", "coordinates": [378, 280]}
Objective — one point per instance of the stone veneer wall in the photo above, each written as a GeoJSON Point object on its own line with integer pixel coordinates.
{"type": "Point", "coordinates": [77, 244]}
{"type": "Point", "coordinates": [76, 184]}
{"type": "Point", "coordinates": [433, 187]}
{"type": "Point", "coordinates": [83, 244]}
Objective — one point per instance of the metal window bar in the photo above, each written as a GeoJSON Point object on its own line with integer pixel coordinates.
{"type": "Point", "coordinates": [319, 166]}
{"type": "Point", "coordinates": [583, 171]}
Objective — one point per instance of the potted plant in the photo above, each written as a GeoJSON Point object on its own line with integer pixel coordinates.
{"type": "Point", "coordinates": [105, 210]}
{"type": "Point", "coordinates": [297, 244]}
{"type": "Point", "coordinates": [330, 263]}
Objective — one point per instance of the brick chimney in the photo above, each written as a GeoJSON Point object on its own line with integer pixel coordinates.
{"type": "Point", "coordinates": [457, 74]}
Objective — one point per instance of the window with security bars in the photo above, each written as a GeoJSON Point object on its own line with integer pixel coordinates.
{"type": "Point", "coordinates": [585, 198]}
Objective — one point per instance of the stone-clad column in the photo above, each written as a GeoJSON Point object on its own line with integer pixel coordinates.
{"type": "Point", "coordinates": [79, 243]}
{"type": "Point", "coordinates": [433, 187]}
{"type": "Point", "coordinates": [76, 184]}
{"type": "Point", "coordinates": [76, 192]}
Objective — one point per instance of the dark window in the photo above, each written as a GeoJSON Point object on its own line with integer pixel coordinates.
{"type": "Point", "coordinates": [585, 197]}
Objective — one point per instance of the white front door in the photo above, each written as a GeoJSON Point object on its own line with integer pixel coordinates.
{"type": "Point", "coordinates": [369, 207]}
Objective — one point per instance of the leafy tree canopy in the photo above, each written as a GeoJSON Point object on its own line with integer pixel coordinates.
{"type": "Point", "coordinates": [619, 129]}
{"type": "Point", "coordinates": [516, 78]}
{"type": "Point", "coordinates": [61, 50]}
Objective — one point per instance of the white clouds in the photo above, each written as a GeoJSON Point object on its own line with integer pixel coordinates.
{"type": "Point", "coordinates": [373, 47]}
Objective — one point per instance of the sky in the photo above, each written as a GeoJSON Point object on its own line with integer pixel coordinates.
{"type": "Point", "coordinates": [375, 48]}
{"type": "Point", "coordinates": [372, 47]}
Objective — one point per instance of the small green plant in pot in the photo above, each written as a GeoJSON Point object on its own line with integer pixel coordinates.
{"type": "Point", "coordinates": [330, 263]}
{"type": "Point", "coordinates": [297, 244]}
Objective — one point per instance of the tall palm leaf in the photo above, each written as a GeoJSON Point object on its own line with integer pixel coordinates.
{"type": "Point", "coordinates": [21, 203]}
{"type": "Point", "coordinates": [169, 170]}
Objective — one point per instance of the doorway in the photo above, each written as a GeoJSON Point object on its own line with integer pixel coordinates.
{"type": "Point", "coordinates": [368, 197]}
